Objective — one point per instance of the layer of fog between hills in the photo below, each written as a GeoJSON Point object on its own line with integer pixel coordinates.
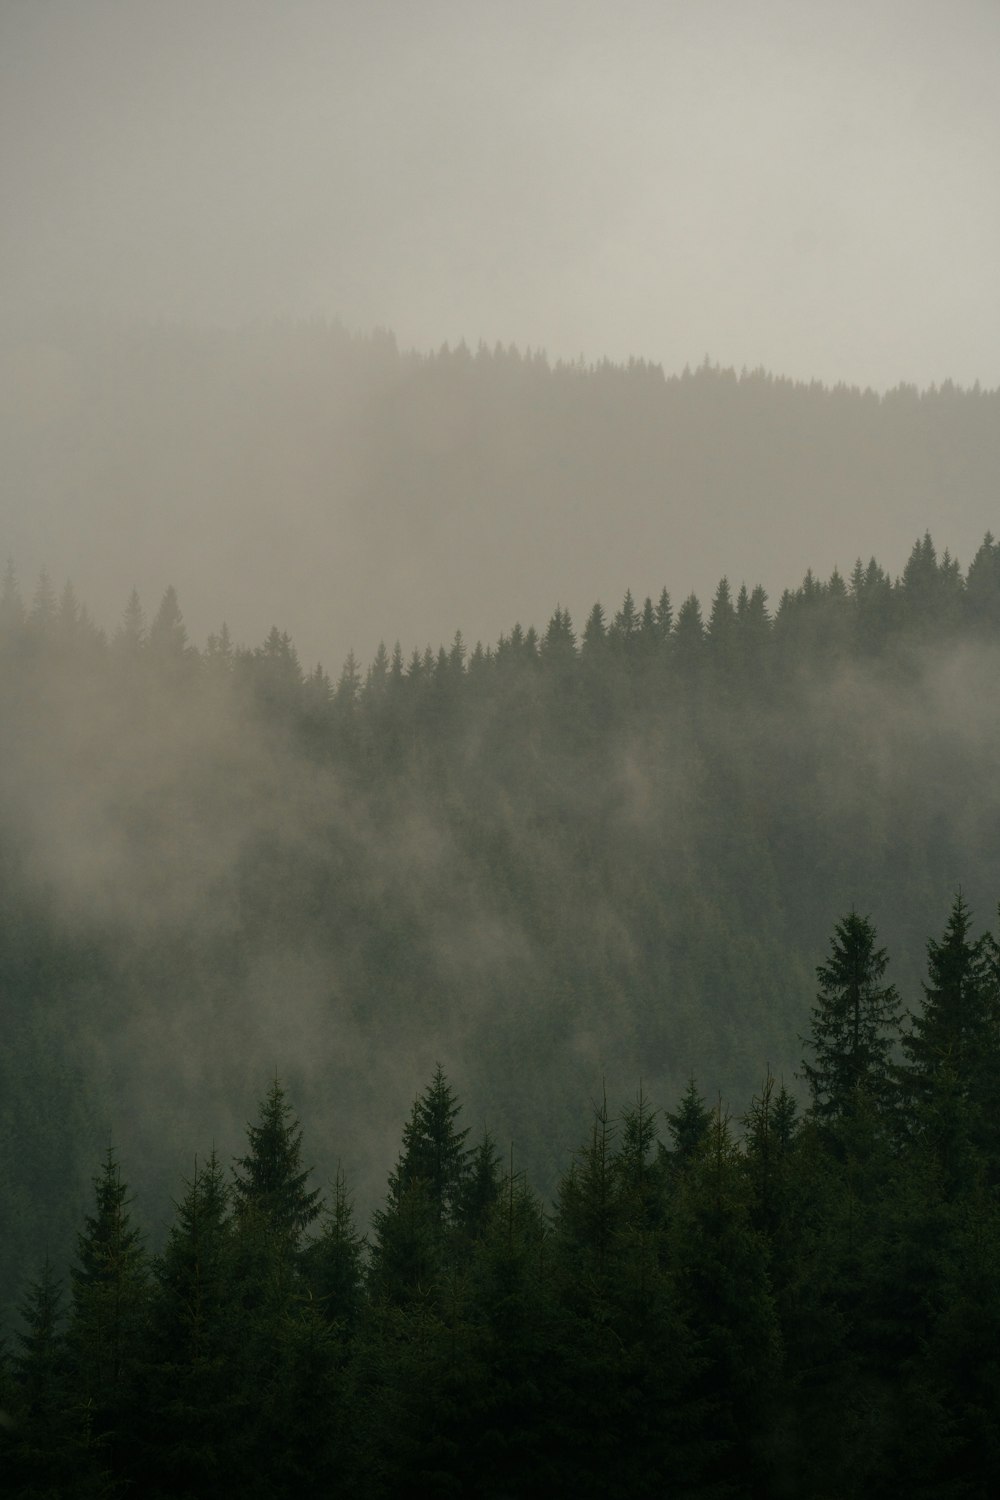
{"type": "Point", "coordinates": [349, 493]}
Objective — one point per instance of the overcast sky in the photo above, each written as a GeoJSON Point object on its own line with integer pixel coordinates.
{"type": "Point", "coordinates": [809, 186]}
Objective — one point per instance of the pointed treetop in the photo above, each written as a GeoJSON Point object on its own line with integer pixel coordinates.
{"type": "Point", "coordinates": [269, 1183]}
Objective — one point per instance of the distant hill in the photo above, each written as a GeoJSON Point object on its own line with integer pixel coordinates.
{"type": "Point", "coordinates": [347, 491]}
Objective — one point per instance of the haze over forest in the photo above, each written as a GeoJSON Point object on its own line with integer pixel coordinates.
{"type": "Point", "coordinates": [502, 514]}
{"type": "Point", "coordinates": [194, 201]}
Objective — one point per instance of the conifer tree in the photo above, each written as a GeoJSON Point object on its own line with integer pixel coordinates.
{"type": "Point", "coordinates": [108, 1318]}
{"type": "Point", "coordinates": [482, 1186]}
{"type": "Point", "coordinates": [956, 1035]}
{"type": "Point", "coordinates": [191, 1274]}
{"type": "Point", "coordinates": [333, 1261]}
{"type": "Point", "coordinates": [109, 1286]}
{"type": "Point", "coordinates": [44, 1447]}
{"type": "Point", "coordinates": [168, 639]}
{"type": "Point", "coordinates": [269, 1183]}
{"type": "Point", "coordinates": [689, 634]}
{"type": "Point", "coordinates": [664, 616]}
{"type": "Point", "coordinates": [434, 1150]}
{"type": "Point", "coordinates": [689, 1126]}
{"type": "Point", "coordinates": [426, 1194]}
{"type": "Point", "coordinates": [852, 1021]}
{"type": "Point", "coordinates": [130, 637]}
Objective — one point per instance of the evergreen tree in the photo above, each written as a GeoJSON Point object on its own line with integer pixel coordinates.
{"type": "Point", "coordinates": [269, 1183]}
{"type": "Point", "coordinates": [624, 630]}
{"type": "Point", "coordinates": [334, 1261]}
{"type": "Point", "coordinates": [956, 1035]}
{"type": "Point", "coordinates": [594, 632]}
{"type": "Point", "coordinates": [168, 638]}
{"type": "Point", "coordinates": [46, 1453]}
{"type": "Point", "coordinates": [108, 1318]}
{"type": "Point", "coordinates": [851, 1039]}
{"type": "Point", "coordinates": [130, 637]}
{"type": "Point", "coordinates": [193, 1386]}
{"type": "Point", "coordinates": [664, 616]}
{"type": "Point", "coordinates": [722, 628]}
{"type": "Point", "coordinates": [434, 1150]}
{"type": "Point", "coordinates": [982, 587]}
{"type": "Point", "coordinates": [11, 604]}
{"type": "Point", "coordinates": [426, 1195]}
{"type": "Point", "coordinates": [482, 1186]}
{"type": "Point", "coordinates": [689, 635]}
{"type": "Point", "coordinates": [689, 1126]}
{"type": "Point", "coordinates": [191, 1274]}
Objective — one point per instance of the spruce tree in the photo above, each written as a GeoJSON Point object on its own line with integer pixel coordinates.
{"type": "Point", "coordinates": [108, 1319]}
{"type": "Point", "coordinates": [426, 1195]}
{"type": "Point", "coordinates": [689, 1126]}
{"type": "Point", "coordinates": [851, 1039]}
{"type": "Point", "coordinates": [953, 1044]}
{"type": "Point", "coordinates": [434, 1150]}
{"type": "Point", "coordinates": [334, 1260]}
{"type": "Point", "coordinates": [269, 1183]}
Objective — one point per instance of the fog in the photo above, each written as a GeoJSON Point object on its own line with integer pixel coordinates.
{"type": "Point", "coordinates": [807, 190]}
{"type": "Point", "coordinates": [810, 188]}
{"type": "Point", "coordinates": [717, 291]}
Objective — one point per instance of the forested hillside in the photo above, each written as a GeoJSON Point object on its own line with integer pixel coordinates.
{"type": "Point", "coordinates": [796, 1303]}
{"type": "Point", "coordinates": [604, 849]}
{"type": "Point", "coordinates": [352, 490]}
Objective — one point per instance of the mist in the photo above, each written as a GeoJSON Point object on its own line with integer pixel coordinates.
{"type": "Point", "coordinates": [499, 511]}
{"type": "Point", "coordinates": [199, 205]}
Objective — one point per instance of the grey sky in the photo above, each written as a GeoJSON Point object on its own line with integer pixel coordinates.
{"type": "Point", "coordinates": [811, 187]}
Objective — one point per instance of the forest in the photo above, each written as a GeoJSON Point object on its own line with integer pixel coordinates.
{"type": "Point", "coordinates": [798, 1303]}
{"type": "Point", "coordinates": [350, 488]}
{"type": "Point", "coordinates": [600, 860]}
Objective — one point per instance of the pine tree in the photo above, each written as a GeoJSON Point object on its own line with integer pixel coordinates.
{"type": "Point", "coordinates": [689, 1126]}
{"type": "Point", "coordinates": [109, 1286]}
{"type": "Point", "coordinates": [851, 1039]}
{"type": "Point", "coordinates": [108, 1318]}
{"type": "Point", "coordinates": [193, 1385]}
{"type": "Point", "coordinates": [689, 634]}
{"type": "Point", "coordinates": [482, 1186]}
{"type": "Point", "coordinates": [269, 1183]}
{"type": "Point", "coordinates": [333, 1261]}
{"type": "Point", "coordinates": [664, 616]}
{"type": "Point", "coordinates": [434, 1151]}
{"type": "Point", "coordinates": [130, 637]}
{"type": "Point", "coordinates": [168, 640]}
{"type": "Point", "coordinates": [45, 1454]}
{"type": "Point", "coordinates": [426, 1194]}
{"type": "Point", "coordinates": [191, 1273]}
{"type": "Point", "coordinates": [722, 625]}
{"type": "Point", "coordinates": [956, 1036]}
{"type": "Point", "coordinates": [625, 625]}
{"type": "Point", "coordinates": [11, 604]}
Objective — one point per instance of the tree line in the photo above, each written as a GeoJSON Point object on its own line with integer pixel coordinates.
{"type": "Point", "coordinates": [801, 1301]}
{"type": "Point", "coordinates": [564, 855]}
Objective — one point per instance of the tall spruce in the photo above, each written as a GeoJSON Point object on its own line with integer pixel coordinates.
{"type": "Point", "coordinates": [852, 1023]}
{"type": "Point", "coordinates": [953, 1044]}
{"type": "Point", "coordinates": [269, 1183]}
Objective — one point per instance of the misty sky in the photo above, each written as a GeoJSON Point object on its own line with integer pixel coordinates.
{"type": "Point", "coordinates": [811, 187]}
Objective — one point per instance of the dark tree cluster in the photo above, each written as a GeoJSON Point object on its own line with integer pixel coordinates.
{"type": "Point", "coordinates": [799, 1303]}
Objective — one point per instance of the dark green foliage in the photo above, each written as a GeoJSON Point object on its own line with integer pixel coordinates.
{"type": "Point", "coordinates": [333, 1262]}
{"type": "Point", "coordinates": [535, 856]}
{"type": "Point", "coordinates": [689, 1126]}
{"type": "Point", "coordinates": [269, 1183]}
{"type": "Point", "coordinates": [110, 1286]}
{"type": "Point", "coordinates": [853, 1022]}
{"type": "Point", "coordinates": [427, 1196]}
{"type": "Point", "coordinates": [956, 1029]}
{"type": "Point", "coordinates": [482, 1187]}
{"type": "Point", "coordinates": [434, 1154]}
